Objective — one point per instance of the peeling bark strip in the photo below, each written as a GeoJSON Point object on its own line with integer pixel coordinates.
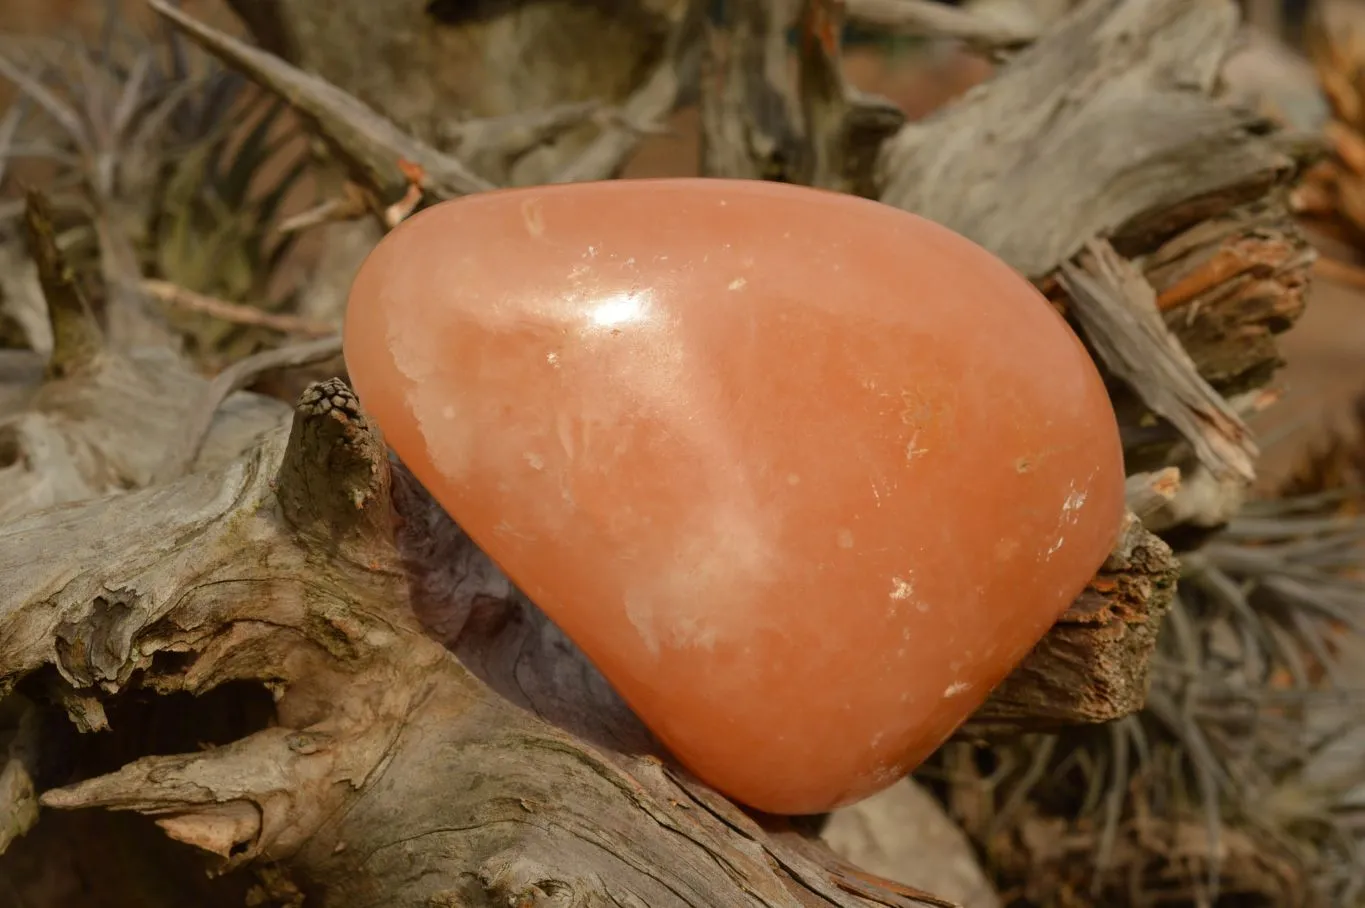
{"type": "Point", "coordinates": [373, 714]}
{"type": "Point", "coordinates": [1117, 310]}
{"type": "Point", "coordinates": [1227, 285]}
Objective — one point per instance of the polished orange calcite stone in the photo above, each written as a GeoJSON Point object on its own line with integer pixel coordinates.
{"type": "Point", "coordinates": [804, 475]}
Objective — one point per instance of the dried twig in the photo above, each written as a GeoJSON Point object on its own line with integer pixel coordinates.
{"type": "Point", "coordinates": [923, 17]}
{"type": "Point", "coordinates": [354, 202]}
{"type": "Point", "coordinates": [401, 210]}
{"type": "Point", "coordinates": [234, 378]}
{"type": "Point", "coordinates": [370, 145]}
{"type": "Point", "coordinates": [237, 313]}
{"type": "Point", "coordinates": [655, 99]}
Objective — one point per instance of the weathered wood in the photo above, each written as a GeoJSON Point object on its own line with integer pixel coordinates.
{"type": "Point", "coordinates": [372, 714]}
{"type": "Point", "coordinates": [154, 590]}
{"type": "Point", "coordinates": [76, 337]}
{"type": "Point", "coordinates": [1094, 665]}
{"type": "Point", "coordinates": [487, 60]}
{"type": "Point", "coordinates": [748, 119]}
{"type": "Point", "coordinates": [1117, 310]}
{"type": "Point", "coordinates": [1094, 133]}
{"type": "Point", "coordinates": [1106, 127]}
{"type": "Point", "coordinates": [844, 127]}
{"type": "Point", "coordinates": [88, 420]}
{"type": "Point", "coordinates": [1106, 121]}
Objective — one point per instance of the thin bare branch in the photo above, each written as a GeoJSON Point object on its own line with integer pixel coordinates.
{"type": "Point", "coordinates": [372, 147]}
{"type": "Point", "coordinates": [9, 128]}
{"type": "Point", "coordinates": [237, 313]}
{"type": "Point", "coordinates": [52, 105]}
{"type": "Point", "coordinates": [234, 378]}
{"type": "Point", "coordinates": [938, 20]}
{"type": "Point", "coordinates": [655, 99]}
{"type": "Point", "coordinates": [353, 203]}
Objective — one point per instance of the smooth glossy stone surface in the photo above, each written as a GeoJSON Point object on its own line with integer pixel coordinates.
{"type": "Point", "coordinates": [805, 476]}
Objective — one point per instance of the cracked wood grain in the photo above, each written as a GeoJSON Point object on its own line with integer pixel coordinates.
{"type": "Point", "coordinates": [402, 659]}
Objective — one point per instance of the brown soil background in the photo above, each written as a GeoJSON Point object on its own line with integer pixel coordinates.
{"type": "Point", "coordinates": [1325, 352]}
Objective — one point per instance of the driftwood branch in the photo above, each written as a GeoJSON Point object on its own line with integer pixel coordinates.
{"type": "Point", "coordinates": [97, 420]}
{"type": "Point", "coordinates": [361, 560]}
{"type": "Point", "coordinates": [372, 148]}
{"type": "Point", "coordinates": [1106, 130]}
